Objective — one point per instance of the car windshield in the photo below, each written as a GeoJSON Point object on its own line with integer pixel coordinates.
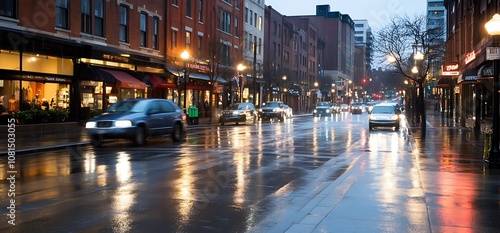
{"type": "Point", "coordinates": [357, 104]}
{"type": "Point", "coordinates": [128, 106]}
{"type": "Point", "coordinates": [238, 107]}
{"type": "Point", "coordinates": [273, 104]}
{"type": "Point", "coordinates": [323, 104]}
{"type": "Point", "coordinates": [383, 109]}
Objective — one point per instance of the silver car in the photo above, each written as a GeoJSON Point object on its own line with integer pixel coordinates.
{"type": "Point", "coordinates": [384, 115]}
{"type": "Point", "coordinates": [137, 119]}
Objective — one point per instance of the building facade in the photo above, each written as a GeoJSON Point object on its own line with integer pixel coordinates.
{"type": "Point", "coordinates": [78, 56]}
{"type": "Point", "coordinates": [466, 43]}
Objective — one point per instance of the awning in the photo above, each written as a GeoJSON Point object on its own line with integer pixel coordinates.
{"type": "Point", "coordinates": [194, 75]}
{"type": "Point", "coordinates": [158, 82]}
{"type": "Point", "coordinates": [91, 73]}
{"type": "Point", "coordinates": [486, 71]}
{"type": "Point", "coordinates": [124, 80]}
{"type": "Point", "coordinates": [469, 75]}
{"type": "Point", "coordinates": [443, 82]}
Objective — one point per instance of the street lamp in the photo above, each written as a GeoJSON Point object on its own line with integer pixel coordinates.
{"type": "Point", "coordinates": [284, 84]}
{"type": "Point", "coordinates": [493, 28]}
{"type": "Point", "coordinates": [185, 56]}
{"type": "Point", "coordinates": [240, 67]}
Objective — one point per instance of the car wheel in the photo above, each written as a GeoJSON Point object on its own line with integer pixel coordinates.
{"type": "Point", "coordinates": [221, 122]}
{"type": "Point", "coordinates": [96, 140]}
{"type": "Point", "coordinates": [177, 133]}
{"type": "Point", "coordinates": [140, 136]}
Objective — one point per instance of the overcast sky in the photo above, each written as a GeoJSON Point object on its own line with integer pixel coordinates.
{"type": "Point", "coordinates": [377, 12]}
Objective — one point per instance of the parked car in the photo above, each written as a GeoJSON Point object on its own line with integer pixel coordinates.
{"type": "Point", "coordinates": [344, 108]}
{"type": "Point", "coordinates": [272, 110]}
{"type": "Point", "coordinates": [384, 115]}
{"type": "Point", "coordinates": [288, 111]}
{"type": "Point", "coordinates": [323, 109]}
{"type": "Point", "coordinates": [137, 119]}
{"type": "Point", "coordinates": [357, 108]}
{"type": "Point", "coordinates": [238, 113]}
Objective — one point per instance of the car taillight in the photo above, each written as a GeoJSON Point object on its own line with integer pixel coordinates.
{"type": "Point", "coordinates": [184, 117]}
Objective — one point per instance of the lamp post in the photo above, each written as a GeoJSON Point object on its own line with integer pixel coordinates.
{"type": "Point", "coordinates": [185, 56]}
{"type": "Point", "coordinates": [493, 28]}
{"type": "Point", "coordinates": [284, 85]}
{"type": "Point", "coordinates": [240, 67]}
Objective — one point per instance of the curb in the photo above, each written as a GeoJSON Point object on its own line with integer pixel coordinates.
{"type": "Point", "coordinates": [45, 148]}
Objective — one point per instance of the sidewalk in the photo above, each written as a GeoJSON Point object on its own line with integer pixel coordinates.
{"type": "Point", "coordinates": [436, 184]}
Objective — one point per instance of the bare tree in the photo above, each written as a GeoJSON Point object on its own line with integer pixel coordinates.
{"type": "Point", "coordinates": [414, 48]}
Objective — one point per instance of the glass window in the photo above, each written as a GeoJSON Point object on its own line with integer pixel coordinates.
{"type": "Point", "coordinates": [123, 23]}
{"type": "Point", "coordinates": [155, 32]}
{"type": "Point", "coordinates": [188, 8]}
{"type": "Point", "coordinates": [99, 17]}
{"type": "Point", "coordinates": [174, 39]}
{"type": "Point", "coordinates": [224, 23]}
{"type": "Point", "coordinates": [8, 8]}
{"type": "Point", "coordinates": [236, 28]}
{"type": "Point", "coordinates": [200, 11]}
{"type": "Point", "coordinates": [143, 27]}
{"type": "Point", "coordinates": [62, 14]}
{"type": "Point", "coordinates": [175, 2]}
{"type": "Point", "coordinates": [200, 44]}
{"type": "Point", "coordinates": [86, 22]}
{"type": "Point", "coordinates": [188, 39]}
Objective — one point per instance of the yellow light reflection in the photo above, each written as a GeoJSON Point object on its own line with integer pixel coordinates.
{"type": "Point", "coordinates": [184, 187]}
{"type": "Point", "coordinates": [125, 195]}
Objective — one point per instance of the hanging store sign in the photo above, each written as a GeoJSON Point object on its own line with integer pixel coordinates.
{"type": "Point", "coordinates": [450, 69]}
{"type": "Point", "coordinates": [492, 53]}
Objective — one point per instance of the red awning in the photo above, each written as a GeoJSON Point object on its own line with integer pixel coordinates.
{"type": "Point", "coordinates": [124, 80]}
{"type": "Point", "coordinates": [158, 82]}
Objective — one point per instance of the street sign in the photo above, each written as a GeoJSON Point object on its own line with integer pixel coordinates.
{"type": "Point", "coordinates": [492, 53]}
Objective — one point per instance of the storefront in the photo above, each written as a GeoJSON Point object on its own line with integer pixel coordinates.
{"type": "Point", "coordinates": [34, 81]}
{"type": "Point", "coordinates": [469, 94]}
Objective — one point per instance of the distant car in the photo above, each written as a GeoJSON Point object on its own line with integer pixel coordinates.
{"type": "Point", "coordinates": [238, 113]}
{"type": "Point", "coordinates": [344, 108]}
{"type": "Point", "coordinates": [357, 108]}
{"type": "Point", "coordinates": [323, 109]}
{"type": "Point", "coordinates": [385, 115]}
{"type": "Point", "coordinates": [137, 119]}
{"type": "Point", "coordinates": [288, 111]}
{"type": "Point", "coordinates": [335, 108]}
{"type": "Point", "coordinates": [272, 110]}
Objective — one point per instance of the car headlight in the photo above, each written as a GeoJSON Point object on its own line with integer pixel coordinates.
{"type": "Point", "coordinates": [372, 117]}
{"type": "Point", "coordinates": [90, 124]}
{"type": "Point", "coordinates": [394, 117]}
{"type": "Point", "coordinates": [315, 111]}
{"type": "Point", "coordinates": [328, 111]}
{"type": "Point", "coordinates": [260, 110]}
{"type": "Point", "coordinates": [236, 113]}
{"type": "Point", "coordinates": [123, 123]}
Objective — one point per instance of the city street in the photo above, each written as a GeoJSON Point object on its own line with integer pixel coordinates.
{"type": "Point", "coordinates": [306, 174]}
{"type": "Point", "coordinates": [221, 177]}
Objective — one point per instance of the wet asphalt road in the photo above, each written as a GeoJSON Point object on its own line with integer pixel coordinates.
{"type": "Point", "coordinates": [221, 179]}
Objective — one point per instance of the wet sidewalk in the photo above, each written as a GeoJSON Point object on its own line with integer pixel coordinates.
{"type": "Point", "coordinates": [436, 183]}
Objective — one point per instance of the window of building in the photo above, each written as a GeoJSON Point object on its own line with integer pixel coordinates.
{"type": "Point", "coordinates": [200, 11]}
{"type": "Point", "coordinates": [175, 2]}
{"type": "Point", "coordinates": [256, 19]}
{"type": "Point", "coordinates": [156, 21]}
{"type": "Point", "coordinates": [143, 27]}
{"type": "Point", "coordinates": [259, 25]}
{"type": "Point", "coordinates": [237, 4]}
{"type": "Point", "coordinates": [200, 45]}
{"type": "Point", "coordinates": [228, 1]}
{"type": "Point", "coordinates": [224, 23]}
{"type": "Point", "coordinates": [251, 17]}
{"type": "Point", "coordinates": [62, 14]}
{"type": "Point", "coordinates": [246, 14]}
{"type": "Point", "coordinates": [86, 22]}
{"type": "Point", "coordinates": [226, 54]}
{"type": "Point", "coordinates": [236, 28]}
{"type": "Point", "coordinates": [123, 23]}
{"type": "Point", "coordinates": [260, 46]}
{"type": "Point", "coordinates": [188, 8]}
{"type": "Point", "coordinates": [8, 8]}
{"type": "Point", "coordinates": [188, 39]}
{"type": "Point", "coordinates": [99, 18]}
{"type": "Point", "coordinates": [246, 41]}
{"type": "Point", "coordinates": [174, 39]}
